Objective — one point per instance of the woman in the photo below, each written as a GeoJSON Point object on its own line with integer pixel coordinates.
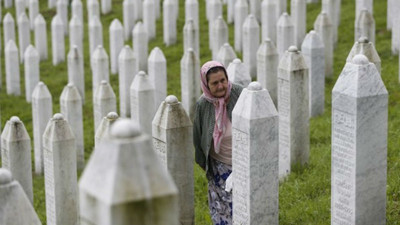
{"type": "Point", "coordinates": [212, 136]}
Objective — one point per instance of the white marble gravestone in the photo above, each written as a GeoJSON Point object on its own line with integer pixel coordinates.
{"type": "Point", "coordinates": [42, 110]}
{"type": "Point", "coordinates": [77, 9]}
{"type": "Point", "coordinates": [12, 69]}
{"type": "Point", "coordinates": [106, 6]}
{"type": "Point", "coordinates": [294, 134]}
{"type": "Point", "coordinates": [76, 33]}
{"type": "Point", "coordinates": [365, 47]}
{"type": "Point", "coordinates": [268, 20]}
{"type": "Point", "coordinates": [15, 207]}
{"type": "Point", "coordinates": [157, 67]}
{"type": "Point", "coordinates": [364, 4]}
{"type": "Point", "coordinates": [192, 11]}
{"type": "Point", "coordinates": [172, 142]}
{"type": "Point", "coordinates": [190, 81]}
{"type": "Point", "coordinates": [284, 34]}
{"type": "Point", "coordinates": [116, 43]}
{"type": "Point", "coordinates": [100, 67]}
{"type": "Point", "coordinates": [32, 71]}
{"type": "Point", "coordinates": [365, 26]}
{"type": "Point", "coordinates": [33, 12]}
{"type": "Point", "coordinates": [255, 9]}
{"type": "Point", "coordinates": [60, 172]}
{"type": "Point", "coordinates": [16, 154]}
{"type": "Point", "coordinates": [241, 12]}
{"type": "Point", "coordinates": [329, 7]}
{"type": "Point", "coordinates": [57, 40]}
{"type": "Point", "coordinates": [40, 33]}
{"type": "Point", "coordinates": [95, 34]}
{"type": "Point", "coordinates": [359, 145]}
{"type": "Point", "coordinates": [24, 35]}
{"type": "Point", "coordinates": [230, 10]}
{"type": "Point", "coordinates": [104, 101]}
{"type": "Point", "coordinates": [313, 53]}
{"type": "Point", "coordinates": [127, 71]}
{"type": "Point", "coordinates": [214, 8]}
{"type": "Point", "coordinates": [267, 68]}
{"type": "Point", "coordinates": [238, 73]}
{"type": "Point", "coordinates": [76, 74]}
{"type": "Point", "coordinates": [8, 28]}
{"type": "Point", "coordinates": [102, 131]}
{"type": "Point", "coordinates": [138, 10]}
{"type": "Point", "coordinates": [324, 29]}
{"type": "Point", "coordinates": [251, 42]}
{"type": "Point", "coordinates": [126, 157]}
{"type": "Point", "coordinates": [281, 7]}
{"type": "Point", "coordinates": [298, 9]}
{"type": "Point", "coordinates": [220, 35]}
{"type": "Point", "coordinates": [71, 108]}
{"type": "Point", "coordinates": [62, 12]}
{"type": "Point", "coordinates": [93, 9]}
{"type": "Point", "coordinates": [149, 18]}
{"type": "Point", "coordinates": [191, 37]}
{"type": "Point", "coordinates": [395, 35]}
{"type": "Point", "coordinates": [255, 155]}
{"type": "Point", "coordinates": [226, 54]}
{"type": "Point", "coordinates": [20, 6]}
{"type": "Point", "coordinates": [143, 108]}
{"type": "Point", "coordinates": [169, 22]}
{"type": "Point", "coordinates": [140, 46]}
{"type": "Point", "coordinates": [128, 18]}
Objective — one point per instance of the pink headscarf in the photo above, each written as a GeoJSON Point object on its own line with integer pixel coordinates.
{"type": "Point", "coordinates": [219, 103]}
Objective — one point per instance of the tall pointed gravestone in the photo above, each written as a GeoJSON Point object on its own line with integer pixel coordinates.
{"type": "Point", "coordinates": [191, 37]}
{"type": "Point", "coordinates": [127, 72]}
{"type": "Point", "coordinates": [365, 47]}
{"type": "Point", "coordinates": [40, 34]}
{"type": "Point", "coordinates": [76, 33]}
{"type": "Point", "coordinates": [60, 172]}
{"type": "Point", "coordinates": [359, 145]}
{"type": "Point", "coordinates": [13, 85]}
{"type": "Point", "coordinates": [124, 183]}
{"type": "Point", "coordinates": [241, 12]}
{"type": "Point", "coordinates": [16, 154]}
{"type": "Point", "coordinates": [251, 42]}
{"type": "Point", "coordinates": [128, 18]}
{"type": "Point", "coordinates": [15, 207]}
{"type": "Point", "coordinates": [32, 71]}
{"type": "Point", "coordinates": [324, 29]}
{"type": "Point", "coordinates": [57, 40]}
{"type": "Point", "coordinates": [284, 34]}
{"type": "Point", "coordinates": [102, 131]}
{"type": "Point", "coordinates": [255, 158]}
{"type": "Point", "coordinates": [100, 67]}
{"type": "Point", "coordinates": [172, 142]}
{"type": "Point", "coordinates": [268, 20]}
{"type": "Point", "coordinates": [116, 43]}
{"type": "Point", "coordinates": [169, 22]}
{"type": "Point", "coordinates": [267, 68]}
{"type": "Point", "coordinates": [294, 134]}
{"type": "Point", "coordinates": [190, 81]}
{"type": "Point", "coordinates": [104, 101]}
{"type": "Point", "coordinates": [238, 73]}
{"type": "Point", "coordinates": [140, 46]}
{"type": "Point", "coordinates": [365, 26]}
{"type": "Point", "coordinates": [76, 74]}
{"type": "Point", "coordinates": [157, 65]}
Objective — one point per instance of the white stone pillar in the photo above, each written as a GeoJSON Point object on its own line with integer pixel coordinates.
{"type": "Point", "coordinates": [140, 46]}
{"type": "Point", "coordinates": [100, 67]}
{"type": "Point", "coordinates": [41, 36]}
{"type": "Point", "coordinates": [103, 130]}
{"type": "Point", "coordinates": [104, 101]}
{"type": "Point", "coordinates": [15, 206]}
{"type": "Point", "coordinates": [230, 11]}
{"type": "Point", "coordinates": [127, 71]}
{"type": "Point", "coordinates": [95, 34]}
{"type": "Point", "coordinates": [192, 11]}
{"type": "Point", "coordinates": [76, 74]}
{"type": "Point", "coordinates": [294, 134]}
{"type": "Point", "coordinates": [313, 53]}
{"type": "Point", "coordinates": [329, 7]}
{"type": "Point", "coordinates": [33, 12]}
{"type": "Point", "coordinates": [149, 18]}
{"type": "Point", "coordinates": [12, 69]}
{"type": "Point", "coordinates": [16, 154]}
{"type": "Point", "coordinates": [190, 81]}
{"type": "Point", "coordinates": [251, 42]}
{"type": "Point", "coordinates": [93, 9]}
{"type": "Point", "coordinates": [142, 101]}
{"type": "Point", "coordinates": [158, 74]}
{"type": "Point", "coordinates": [32, 71]}
{"type": "Point", "coordinates": [106, 6]}
{"type": "Point", "coordinates": [116, 43]}
{"type": "Point", "coordinates": [77, 9]}
{"type": "Point", "coordinates": [60, 172]}
{"type": "Point", "coordinates": [267, 68]}
{"type": "Point", "coordinates": [24, 35]}
{"type": "Point", "coordinates": [238, 73]}
{"type": "Point", "coordinates": [8, 28]}
{"type": "Point", "coordinates": [20, 6]}
{"type": "Point", "coordinates": [364, 4]}
{"type": "Point", "coordinates": [241, 12]}
{"type": "Point", "coordinates": [57, 40]}
{"type": "Point", "coordinates": [298, 9]}
{"type": "Point", "coordinates": [71, 108]}
{"type": "Point", "coordinates": [268, 20]}
{"type": "Point", "coordinates": [169, 22]}
{"type": "Point", "coordinates": [219, 36]}
{"type": "Point", "coordinates": [323, 27]}
{"type": "Point", "coordinates": [365, 47]}
{"type": "Point", "coordinates": [172, 137]}
{"type": "Point", "coordinates": [215, 11]}
{"type": "Point", "coordinates": [226, 54]}
{"type": "Point", "coordinates": [359, 145]}
{"type": "Point", "coordinates": [365, 26]}
{"type": "Point", "coordinates": [255, 9]}
{"type": "Point", "coordinates": [62, 12]}
{"type": "Point", "coordinates": [127, 156]}
{"type": "Point", "coordinates": [255, 154]}
{"type": "Point", "coordinates": [281, 7]}
{"type": "Point", "coordinates": [285, 34]}
{"type": "Point", "coordinates": [42, 110]}
{"type": "Point", "coordinates": [191, 37]}
{"type": "Point", "coordinates": [8, 4]}
{"type": "Point", "coordinates": [129, 18]}
{"type": "Point", "coordinates": [50, 3]}
{"type": "Point", "coordinates": [76, 33]}
{"type": "Point", "coordinates": [138, 10]}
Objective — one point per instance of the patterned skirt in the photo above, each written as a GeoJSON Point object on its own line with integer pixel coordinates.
{"type": "Point", "coordinates": [219, 201]}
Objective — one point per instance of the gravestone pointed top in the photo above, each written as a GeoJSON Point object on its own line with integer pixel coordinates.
{"type": "Point", "coordinates": [293, 49]}
{"type": "Point", "coordinates": [285, 20]}
{"type": "Point", "coordinates": [8, 18]}
{"type": "Point", "coordinates": [23, 18]}
{"type": "Point", "coordinates": [58, 116]}
{"type": "Point", "coordinates": [57, 21]}
{"type": "Point", "coordinates": [156, 55]}
{"type": "Point", "coordinates": [100, 53]}
{"type": "Point", "coordinates": [360, 59]}
{"type": "Point", "coordinates": [11, 46]}
{"type": "Point", "coordinates": [255, 86]}
{"type": "Point", "coordinates": [5, 176]}
{"type": "Point", "coordinates": [112, 116]}
{"type": "Point", "coordinates": [171, 99]}
{"type": "Point", "coordinates": [39, 19]}
{"type": "Point", "coordinates": [75, 20]}
{"type": "Point", "coordinates": [236, 61]}
{"type": "Point", "coordinates": [125, 128]}
{"type": "Point", "coordinates": [126, 53]}
{"type": "Point", "coordinates": [31, 52]}
{"type": "Point", "coordinates": [94, 21]}
{"type": "Point", "coordinates": [116, 25]}
{"type": "Point", "coordinates": [363, 39]}
{"type": "Point", "coordinates": [15, 119]}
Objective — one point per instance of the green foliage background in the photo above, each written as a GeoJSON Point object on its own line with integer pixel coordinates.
{"type": "Point", "coordinates": [305, 197]}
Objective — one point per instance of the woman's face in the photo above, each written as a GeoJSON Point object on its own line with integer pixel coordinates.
{"type": "Point", "coordinates": [217, 83]}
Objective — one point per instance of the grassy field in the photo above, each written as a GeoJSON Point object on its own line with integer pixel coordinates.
{"type": "Point", "coordinates": [305, 197]}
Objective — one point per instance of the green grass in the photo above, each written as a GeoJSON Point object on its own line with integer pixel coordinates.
{"type": "Point", "coordinates": [305, 197]}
